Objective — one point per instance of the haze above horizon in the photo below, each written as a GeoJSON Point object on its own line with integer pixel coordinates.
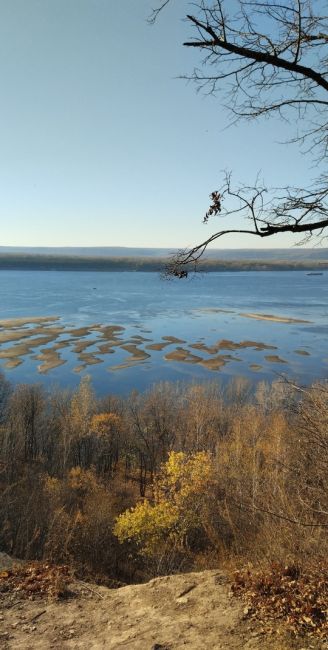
{"type": "Point", "coordinates": [101, 143]}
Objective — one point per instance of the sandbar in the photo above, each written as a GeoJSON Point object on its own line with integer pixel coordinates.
{"type": "Point", "coordinates": [51, 359]}
{"type": "Point", "coordinates": [142, 339]}
{"type": "Point", "coordinates": [126, 364]}
{"type": "Point", "coordinates": [304, 353]}
{"type": "Point", "coordinates": [6, 336]}
{"type": "Point", "coordinates": [79, 331]}
{"type": "Point", "coordinates": [182, 355]}
{"type": "Point", "coordinates": [225, 344]}
{"type": "Point", "coordinates": [80, 346]}
{"type": "Point", "coordinates": [274, 358]}
{"type": "Point", "coordinates": [110, 331]}
{"type": "Point", "coordinates": [106, 348]}
{"type": "Point", "coordinates": [173, 339]}
{"type": "Point", "coordinates": [255, 366]}
{"type": "Point", "coordinates": [217, 362]}
{"type": "Point", "coordinates": [13, 363]}
{"type": "Point", "coordinates": [79, 368]}
{"type": "Point", "coordinates": [40, 340]}
{"type": "Point", "coordinates": [18, 322]}
{"type": "Point", "coordinates": [24, 348]}
{"type": "Point", "coordinates": [135, 351]}
{"type": "Point", "coordinates": [89, 359]}
{"type": "Point", "coordinates": [62, 344]}
{"type": "Point", "coordinates": [18, 350]}
{"type": "Point", "coordinates": [210, 349]}
{"type": "Point", "coordinates": [274, 319]}
{"type": "Point", "coordinates": [257, 345]}
{"type": "Point", "coordinates": [157, 346]}
{"type": "Point", "coordinates": [29, 333]}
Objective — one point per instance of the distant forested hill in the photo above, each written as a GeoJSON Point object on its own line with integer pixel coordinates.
{"type": "Point", "coordinates": [275, 254]}
{"type": "Point", "coordinates": [133, 260]}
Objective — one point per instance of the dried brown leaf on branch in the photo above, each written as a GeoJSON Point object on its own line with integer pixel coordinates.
{"type": "Point", "coordinates": [215, 206]}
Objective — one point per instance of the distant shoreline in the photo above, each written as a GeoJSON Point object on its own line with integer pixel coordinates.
{"type": "Point", "coordinates": [39, 262]}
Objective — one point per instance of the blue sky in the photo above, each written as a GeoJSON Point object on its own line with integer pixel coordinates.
{"type": "Point", "coordinates": [102, 144]}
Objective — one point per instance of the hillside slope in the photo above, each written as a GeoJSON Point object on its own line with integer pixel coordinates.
{"type": "Point", "coordinates": [193, 611]}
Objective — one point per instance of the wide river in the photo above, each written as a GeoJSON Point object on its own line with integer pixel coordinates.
{"type": "Point", "coordinates": [129, 330]}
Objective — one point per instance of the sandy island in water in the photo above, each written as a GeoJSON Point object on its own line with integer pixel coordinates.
{"type": "Point", "coordinates": [274, 319]}
{"type": "Point", "coordinates": [273, 358]}
{"type": "Point", "coordinates": [224, 344]}
{"type": "Point", "coordinates": [18, 322]}
{"type": "Point", "coordinates": [255, 366]}
{"type": "Point", "coordinates": [29, 334]}
{"type": "Point", "coordinates": [158, 346]}
{"type": "Point", "coordinates": [50, 359]}
{"type": "Point", "coordinates": [180, 354]}
{"type": "Point", "coordinates": [218, 362]}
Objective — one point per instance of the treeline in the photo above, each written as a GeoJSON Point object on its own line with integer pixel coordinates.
{"type": "Point", "coordinates": [31, 262]}
{"type": "Point", "coordinates": [179, 477]}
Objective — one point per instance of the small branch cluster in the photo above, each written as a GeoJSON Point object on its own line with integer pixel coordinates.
{"type": "Point", "coordinates": [215, 206]}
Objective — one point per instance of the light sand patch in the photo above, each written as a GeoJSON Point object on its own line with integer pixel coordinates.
{"type": "Point", "coordinates": [6, 336]}
{"type": "Point", "coordinates": [50, 359]}
{"type": "Point", "coordinates": [18, 322]}
{"type": "Point", "coordinates": [304, 353]}
{"type": "Point", "coordinates": [18, 350]}
{"type": "Point", "coordinates": [255, 367]}
{"type": "Point", "coordinates": [79, 368]}
{"type": "Point", "coordinates": [225, 344]}
{"type": "Point", "coordinates": [274, 319]}
{"type": "Point", "coordinates": [129, 363]}
{"type": "Point", "coordinates": [183, 356]}
{"type": "Point", "coordinates": [173, 339]}
{"type": "Point", "coordinates": [62, 344]}
{"type": "Point", "coordinates": [106, 348]}
{"type": "Point", "coordinates": [273, 358]}
{"type": "Point", "coordinates": [80, 346]}
{"type": "Point", "coordinates": [135, 352]}
{"type": "Point", "coordinates": [210, 349]}
{"type": "Point", "coordinates": [142, 339]}
{"type": "Point", "coordinates": [40, 340]}
{"type": "Point", "coordinates": [231, 345]}
{"type": "Point", "coordinates": [137, 356]}
{"type": "Point", "coordinates": [13, 363]}
{"type": "Point", "coordinates": [157, 346]}
{"type": "Point", "coordinates": [89, 359]}
{"type": "Point", "coordinates": [110, 332]}
{"type": "Point", "coordinates": [79, 332]}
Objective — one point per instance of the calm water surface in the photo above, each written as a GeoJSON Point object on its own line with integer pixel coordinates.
{"type": "Point", "coordinates": [147, 306]}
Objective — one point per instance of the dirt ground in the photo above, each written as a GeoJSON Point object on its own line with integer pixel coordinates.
{"type": "Point", "coordinates": [194, 611]}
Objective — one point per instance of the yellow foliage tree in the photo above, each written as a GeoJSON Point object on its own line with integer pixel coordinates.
{"type": "Point", "coordinates": [182, 494]}
{"type": "Point", "coordinates": [105, 424]}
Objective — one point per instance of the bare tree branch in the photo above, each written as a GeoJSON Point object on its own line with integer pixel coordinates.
{"type": "Point", "coordinates": [155, 12]}
{"type": "Point", "coordinates": [274, 55]}
{"type": "Point", "coordinates": [255, 55]}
